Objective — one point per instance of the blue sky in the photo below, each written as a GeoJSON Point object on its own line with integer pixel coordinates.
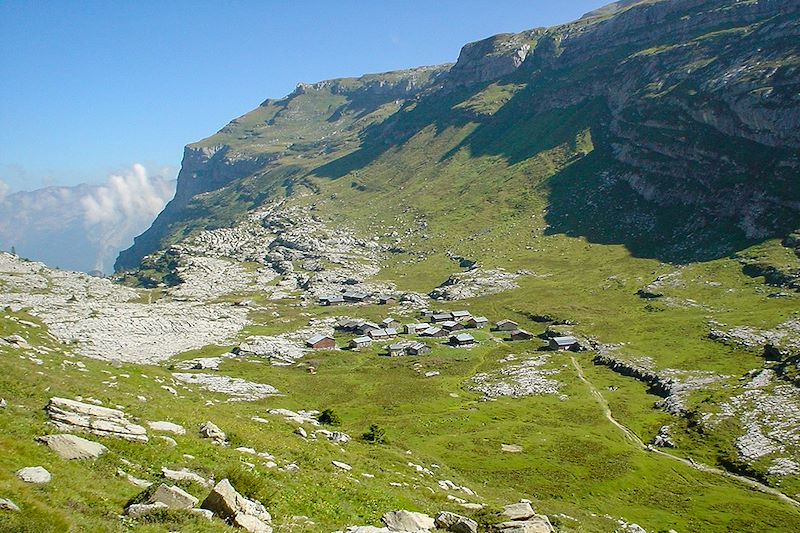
{"type": "Point", "coordinates": [88, 88]}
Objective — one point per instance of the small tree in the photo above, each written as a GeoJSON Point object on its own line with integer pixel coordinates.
{"type": "Point", "coordinates": [375, 434]}
{"type": "Point", "coordinates": [328, 417]}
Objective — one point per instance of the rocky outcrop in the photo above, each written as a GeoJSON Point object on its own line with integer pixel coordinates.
{"type": "Point", "coordinates": [455, 523]}
{"type": "Point", "coordinates": [210, 430]}
{"type": "Point", "coordinates": [238, 389]}
{"type": "Point", "coordinates": [72, 415]}
{"type": "Point", "coordinates": [239, 511]}
{"type": "Point", "coordinates": [517, 380]}
{"type": "Point", "coordinates": [476, 282]}
{"type": "Point", "coordinates": [492, 58]}
{"type": "Point", "coordinates": [408, 521]}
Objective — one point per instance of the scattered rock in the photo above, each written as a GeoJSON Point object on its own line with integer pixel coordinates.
{"type": "Point", "coordinates": [205, 513]}
{"type": "Point", "coordinates": [456, 523]}
{"type": "Point", "coordinates": [173, 497]}
{"type": "Point", "coordinates": [302, 432]}
{"type": "Point", "coordinates": [518, 380]}
{"type": "Point", "coordinates": [8, 505]}
{"type": "Point", "coordinates": [239, 390]}
{"type": "Point", "coordinates": [536, 524]}
{"type": "Point", "coordinates": [209, 430]}
{"type": "Point", "coordinates": [343, 466]}
{"type": "Point", "coordinates": [511, 448]}
{"type": "Point", "coordinates": [141, 509]}
{"type": "Point", "coordinates": [169, 440]}
{"type": "Point", "coordinates": [136, 482]}
{"type": "Point", "coordinates": [185, 475]}
{"type": "Point", "coordinates": [167, 427]}
{"type": "Point", "coordinates": [3, 403]}
{"type": "Point", "coordinates": [250, 523]}
{"type": "Point", "coordinates": [34, 474]}
{"type": "Point", "coordinates": [408, 521]}
{"type": "Point", "coordinates": [72, 415]}
{"type": "Point", "coordinates": [73, 447]}
{"type": "Point", "coordinates": [228, 504]}
{"type": "Point", "coordinates": [518, 511]}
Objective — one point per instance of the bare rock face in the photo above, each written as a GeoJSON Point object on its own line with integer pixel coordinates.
{"type": "Point", "coordinates": [73, 447]}
{"type": "Point", "coordinates": [34, 474]}
{"type": "Point", "coordinates": [229, 505]}
{"type": "Point", "coordinates": [71, 415]}
{"type": "Point", "coordinates": [408, 521]}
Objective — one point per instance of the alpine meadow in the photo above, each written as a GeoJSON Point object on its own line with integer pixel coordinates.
{"type": "Point", "coordinates": [552, 287]}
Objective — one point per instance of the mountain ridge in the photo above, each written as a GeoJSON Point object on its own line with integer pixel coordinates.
{"type": "Point", "coordinates": [752, 108]}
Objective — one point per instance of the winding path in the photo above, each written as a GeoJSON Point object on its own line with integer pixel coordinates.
{"type": "Point", "coordinates": [634, 438]}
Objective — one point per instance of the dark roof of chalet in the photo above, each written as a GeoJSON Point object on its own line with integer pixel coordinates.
{"type": "Point", "coordinates": [367, 323]}
{"type": "Point", "coordinates": [398, 346]}
{"type": "Point", "coordinates": [565, 341]}
{"type": "Point", "coordinates": [389, 320]}
{"type": "Point", "coordinates": [432, 331]}
{"type": "Point", "coordinates": [463, 337]}
{"type": "Point", "coordinates": [440, 316]}
{"type": "Point", "coordinates": [316, 338]}
{"type": "Point", "coordinates": [524, 332]}
{"type": "Point", "coordinates": [359, 340]}
{"type": "Point", "coordinates": [480, 319]}
{"type": "Point", "coordinates": [506, 321]}
{"type": "Point", "coordinates": [417, 346]}
{"type": "Point", "coordinates": [461, 313]}
{"type": "Point", "coordinates": [449, 323]}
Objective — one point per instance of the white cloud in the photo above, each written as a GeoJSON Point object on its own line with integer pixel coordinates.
{"type": "Point", "coordinates": [123, 207]}
{"type": "Point", "coordinates": [4, 188]}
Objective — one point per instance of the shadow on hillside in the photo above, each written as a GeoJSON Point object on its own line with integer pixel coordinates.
{"type": "Point", "coordinates": [585, 197]}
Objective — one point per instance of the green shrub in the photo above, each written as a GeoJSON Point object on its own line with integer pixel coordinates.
{"type": "Point", "coordinates": [375, 435]}
{"type": "Point", "coordinates": [328, 417]}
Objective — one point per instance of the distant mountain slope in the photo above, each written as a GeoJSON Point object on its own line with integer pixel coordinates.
{"type": "Point", "coordinates": [82, 227]}
{"type": "Point", "coordinates": [672, 127]}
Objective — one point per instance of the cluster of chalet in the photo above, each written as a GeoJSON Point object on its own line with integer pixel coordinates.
{"type": "Point", "coordinates": [355, 297]}
{"type": "Point", "coordinates": [433, 325]}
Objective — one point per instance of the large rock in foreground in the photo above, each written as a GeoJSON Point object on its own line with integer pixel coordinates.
{"type": "Point", "coordinates": [228, 504]}
{"type": "Point", "coordinates": [71, 415]}
{"type": "Point", "coordinates": [408, 521]}
{"type": "Point", "coordinates": [73, 447]}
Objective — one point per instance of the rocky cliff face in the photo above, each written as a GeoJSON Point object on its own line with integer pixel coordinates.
{"type": "Point", "coordinates": [692, 108]}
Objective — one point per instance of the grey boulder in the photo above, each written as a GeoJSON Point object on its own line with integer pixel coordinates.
{"type": "Point", "coordinates": [34, 474]}
{"type": "Point", "coordinates": [228, 504]}
{"type": "Point", "coordinates": [73, 447]}
{"type": "Point", "coordinates": [408, 521]}
{"type": "Point", "coordinates": [456, 523]}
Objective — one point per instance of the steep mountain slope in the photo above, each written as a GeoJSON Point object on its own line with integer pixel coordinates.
{"type": "Point", "coordinates": [678, 110]}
